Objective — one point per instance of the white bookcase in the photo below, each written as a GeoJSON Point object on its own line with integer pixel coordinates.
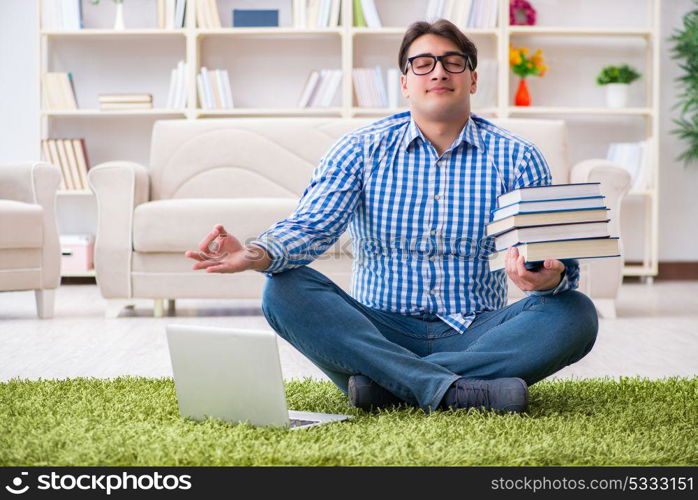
{"type": "Point", "coordinates": [268, 68]}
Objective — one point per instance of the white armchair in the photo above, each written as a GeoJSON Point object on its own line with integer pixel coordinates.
{"type": "Point", "coordinates": [30, 256]}
{"type": "Point", "coordinates": [246, 174]}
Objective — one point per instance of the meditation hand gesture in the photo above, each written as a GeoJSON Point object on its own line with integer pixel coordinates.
{"type": "Point", "coordinates": [547, 277]}
{"type": "Point", "coordinates": [221, 252]}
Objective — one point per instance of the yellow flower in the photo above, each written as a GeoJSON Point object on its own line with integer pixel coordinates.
{"type": "Point", "coordinates": [524, 50]}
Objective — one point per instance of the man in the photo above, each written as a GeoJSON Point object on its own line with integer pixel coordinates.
{"type": "Point", "coordinates": [426, 322]}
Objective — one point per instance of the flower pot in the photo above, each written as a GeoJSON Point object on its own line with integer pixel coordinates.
{"type": "Point", "coordinates": [616, 95]}
{"type": "Point", "coordinates": [119, 18]}
{"type": "Point", "coordinates": [522, 97]}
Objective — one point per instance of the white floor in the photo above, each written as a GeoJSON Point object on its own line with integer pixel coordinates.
{"type": "Point", "coordinates": [654, 336]}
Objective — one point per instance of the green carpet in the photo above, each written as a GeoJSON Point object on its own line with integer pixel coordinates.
{"type": "Point", "coordinates": [135, 421]}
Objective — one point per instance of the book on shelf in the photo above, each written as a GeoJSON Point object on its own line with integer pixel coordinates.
{"type": "Point", "coordinates": [370, 87]}
{"type": "Point", "coordinates": [255, 18]}
{"type": "Point", "coordinates": [633, 157]}
{"type": "Point", "coordinates": [125, 98]}
{"type": "Point", "coordinates": [316, 13]}
{"type": "Point", "coordinates": [177, 95]}
{"type": "Point", "coordinates": [58, 91]}
{"type": "Point", "coordinates": [61, 15]}
{"type": "Point", "coordinates": [359, 20]}
{"type": "Point", "coordinates": [370, 14]}
{"type": "Point", "coordinates": [320, 88]}
{"type": "Point", "coordinates": [207, 16]}
{"type": "Point", "coordinates": [125, 105]}
{"type": "Point", "coordinates": [70, 155]}
{"type": "Point", "coordinates": [523, 207]}
{"type": "Point", "coordinates": [213, 88]}
{"type": "Point", "coordinates": [476, 14]}
{"type": "Point", "coordinates": [579, 249]}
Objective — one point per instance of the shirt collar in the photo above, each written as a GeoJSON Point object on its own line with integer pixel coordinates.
{"type": "Point", "coordinates": [470, 134]}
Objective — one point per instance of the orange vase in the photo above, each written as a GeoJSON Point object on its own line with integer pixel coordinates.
{"type": "Point", "coordinates": [522, 98]}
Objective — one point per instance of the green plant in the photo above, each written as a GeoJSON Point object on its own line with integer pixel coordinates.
{"type": "Point", "coordinates": [617, 74]}
{"type": "Point", "coordinates": [686, 49]}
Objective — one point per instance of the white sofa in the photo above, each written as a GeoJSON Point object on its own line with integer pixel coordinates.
{"type": "Point", "coordinates": [30, 256]}
{"type": "Point", "coordinates": [246, 174]}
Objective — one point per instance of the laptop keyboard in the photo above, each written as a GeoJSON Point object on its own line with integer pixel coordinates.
{"type": "Point", "coordinates": [296, 422]}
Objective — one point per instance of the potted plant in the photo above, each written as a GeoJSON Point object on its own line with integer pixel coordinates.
{"type": "Point", "coordinates": [119, 18]}
{"type": "Point", "coordinates": [685, 49]}
{"type": "Point", "coordinates": [523, 66]}
{"type": "Point", "coordinates": [616, 80]}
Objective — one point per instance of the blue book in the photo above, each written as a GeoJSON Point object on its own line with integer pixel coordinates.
{"type": "Point", "coordinates": [246, 18]}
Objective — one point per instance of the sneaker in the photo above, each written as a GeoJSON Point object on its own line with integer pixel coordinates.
{"type": "Point", "coordinates": [502, 394]}
{"type": "Point", "coordinates": [364, 393]}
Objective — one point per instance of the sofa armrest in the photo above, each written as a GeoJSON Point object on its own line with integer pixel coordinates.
{"type": "Point", "coordinates": [37, 183]}
{"type": "Point", "coordinates": [120, 186]}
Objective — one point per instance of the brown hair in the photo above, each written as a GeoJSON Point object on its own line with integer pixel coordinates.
{"type": "Point", "coordinates": [442, 27]}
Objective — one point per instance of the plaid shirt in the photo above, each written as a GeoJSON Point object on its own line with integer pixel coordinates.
{"type": "Point", "coordinates": [417, 219]}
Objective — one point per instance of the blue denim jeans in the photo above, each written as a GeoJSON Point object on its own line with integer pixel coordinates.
{"type": "Point", "coordinates": [418, 357]}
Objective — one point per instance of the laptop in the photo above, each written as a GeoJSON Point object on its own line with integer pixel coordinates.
{"type": "Point", "coordinates": [233, 375]}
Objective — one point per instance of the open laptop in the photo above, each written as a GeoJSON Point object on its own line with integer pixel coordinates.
{"type": "Point", "coordinates": [233, 375]}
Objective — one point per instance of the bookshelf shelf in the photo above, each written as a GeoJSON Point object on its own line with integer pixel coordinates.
{"type": "Point", "coordinates": [301, 50]}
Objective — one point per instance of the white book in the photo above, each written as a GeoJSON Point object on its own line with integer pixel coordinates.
{"type": "Point", "coordinates": [170, 8]}
{"type": "Point", "coordinates": [372, 78]}
{"type": "Point", "coordinates": [180, 88]}
{"type": "Point", "coordinates": [228, 90]}
{"type": "Point", "coordinates": [550, 192]}
{"type": "Point", "coordinates": [173, 86]}
{"type": "Point", "coordinates": [311, 13]}
{"type": "Point", "coordinates": [334, 13]}
{"type": "Point", "coordinates": [332, 86]}
{"type": "Point", "coordinates": [316, 98]}
{"type": "Point", "coordinates": [302, 14]}
{"type": "Point", "coordinates": [380, 87]}
{"type": "Point", "coordinates": [371, 14]}
{"type": "Point", "coordinates": [393, 86]}
{"type": "Point", "coordinates": [551, 232]}
{"type": "Point", "coordinates": [179, 14]}
{"type": "Point", "coordinates": [208, 90]}
{"type": "Point", "coordinates": [549, 205]}
{"type": "Point", "coordinates": [494, 12]}
{"type": "Point", "coordinates": [307, 92]}
{"type": "Point", "coordinates": [71, 14]}
{"type": "Point", "coordinates": [360, 88]}
{"type": "Point", "coordinates": [221, 88]}
{"type": "Point", "coordinates": [203, 102]}
{"type": "Point", "coordinates": [464, 14]}
{"type": "Point", "coordinates": [473, 14]}
{"type": "Point", "coordinates": [324, 15]}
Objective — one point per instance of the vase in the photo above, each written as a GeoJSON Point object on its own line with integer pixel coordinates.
{"type": "Point", "coordinates": [522, 98]}
{"type": "Point", "coordinates": [616, 95]}
{"type": "Point", "coordinates": [119, 18]}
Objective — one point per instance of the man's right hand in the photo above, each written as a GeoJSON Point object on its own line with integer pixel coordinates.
{"type": "Point", "coordinates": [220, 252]}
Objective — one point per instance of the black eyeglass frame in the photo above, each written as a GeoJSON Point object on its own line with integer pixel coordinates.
{"type": "Point", "coordinates": [468, 64]}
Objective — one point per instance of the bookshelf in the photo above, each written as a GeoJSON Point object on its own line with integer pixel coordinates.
{"type": "Point", "coordinates": [297, 51]}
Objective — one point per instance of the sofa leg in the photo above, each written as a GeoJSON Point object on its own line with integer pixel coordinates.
{"type": "Point", "coordinates": [45, 300]}
{"type": "Point", "coordinates": [158, 309]}
{"type": "Point", "coordinates": [171, 307]}
{"type": "Point", "coordinates": [115, 306]}
{"type": "Point", "coordinates": [606, 308]}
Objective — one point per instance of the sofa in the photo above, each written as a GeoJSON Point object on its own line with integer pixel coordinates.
{"type": "Point", "coordinates": [247, 173]}
{"type": "Point", "coordinates": [30, 255]}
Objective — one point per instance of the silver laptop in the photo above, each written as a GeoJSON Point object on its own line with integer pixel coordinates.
{"type": "Point", "coordinates": [233, 375]}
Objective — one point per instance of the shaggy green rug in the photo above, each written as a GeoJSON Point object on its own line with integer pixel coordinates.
{"type": "Point", "coordinates": [135, 421]}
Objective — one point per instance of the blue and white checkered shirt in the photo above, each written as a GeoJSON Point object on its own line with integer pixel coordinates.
{"type": "Point", "coordinates": [417, 219]}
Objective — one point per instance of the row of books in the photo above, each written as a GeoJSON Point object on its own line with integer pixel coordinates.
{"type": "Point", "coordinates": [71, 156]}
{"type": "Point", "coordinates": [61, 15]}
{"type": "Point", "coordinates": [633, 157]}
{"type": "Point", "coordinates": [316, 13]}
{"type": "Point", "coordinates": [366, 14]}
{"type": "Point", "coordinates": [171, 13]}
{"type": "Point", "coordinates": [207, 16]}
{"type": "Point", "coordinates": [177, 95]}
{"type": "Point", "coordinates": [478, 14]}
{"type": "Point", "coordinates": [373, 91]}
{"type": "Point", "coordinates": [125, 101]}
{"type": "Point", "coordinates": [214, 89]}
{"type": "Point", "coordinates": [58, 91]}
{"type": "Point", "coordinates": [562, 221]}
{"type": "Point", "coordinates": [320, 88]}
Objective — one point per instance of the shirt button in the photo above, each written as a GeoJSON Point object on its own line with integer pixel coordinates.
{"type": "Point", "coordinates": [439, 163]}
{"type": "Point", "coordinates": [437, 196]}
{"type": "Point", "coordinates": [432, 292]}
{"type": "Point", "coordinates": [432, 232]}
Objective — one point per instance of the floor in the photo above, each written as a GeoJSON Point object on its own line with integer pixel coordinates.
{"type": "Point", "coordinates": [654, 336]}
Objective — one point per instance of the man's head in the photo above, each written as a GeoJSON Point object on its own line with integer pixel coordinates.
{"type": "Point", "coordinates": [441, 93]}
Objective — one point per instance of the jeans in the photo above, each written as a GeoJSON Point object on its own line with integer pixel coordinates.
{"type": "Point", "coordinates": [417, 358]}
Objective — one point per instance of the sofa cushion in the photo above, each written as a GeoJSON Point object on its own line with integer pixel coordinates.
{"type": "Point", "coordinates": [20, 224]}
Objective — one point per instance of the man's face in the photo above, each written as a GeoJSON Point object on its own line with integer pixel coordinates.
{"type": "Point", "coordinates": [439, 95]}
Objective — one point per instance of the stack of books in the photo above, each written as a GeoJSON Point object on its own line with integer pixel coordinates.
{"type": "Point", "coordinates": [125, 101]}
{"type": "Point", "coordinates": [214, 89]}
{"type": "Point", "coordinates": [58, 91]}
{"type": "Point", "coordinates": [207, 14]}
{"type": "Point", "coordinates": [320, 88]}
{"type": "Point", "coordinates": [479, 14]}
{"type": "Point", "coordinates": [372, 91]}
{"type": "Point", "coordinates": [562, 221]}
{"type": "Point", "coordinates": [71, 156]}
{"type": "Point", "coordinates": [316, 13]}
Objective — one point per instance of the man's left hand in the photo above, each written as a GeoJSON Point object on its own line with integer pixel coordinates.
{"type": "Point", "coordinates": [544, 279]}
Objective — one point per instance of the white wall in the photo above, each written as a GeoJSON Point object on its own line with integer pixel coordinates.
{"type": "Point", "coordinates": [19, 133]}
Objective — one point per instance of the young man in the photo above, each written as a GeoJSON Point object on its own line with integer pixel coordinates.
{"type": "Point", "coordinates": [426, 322]}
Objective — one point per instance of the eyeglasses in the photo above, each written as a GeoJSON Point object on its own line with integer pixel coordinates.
{"type": "Point", "coordinates": [425, 64]}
